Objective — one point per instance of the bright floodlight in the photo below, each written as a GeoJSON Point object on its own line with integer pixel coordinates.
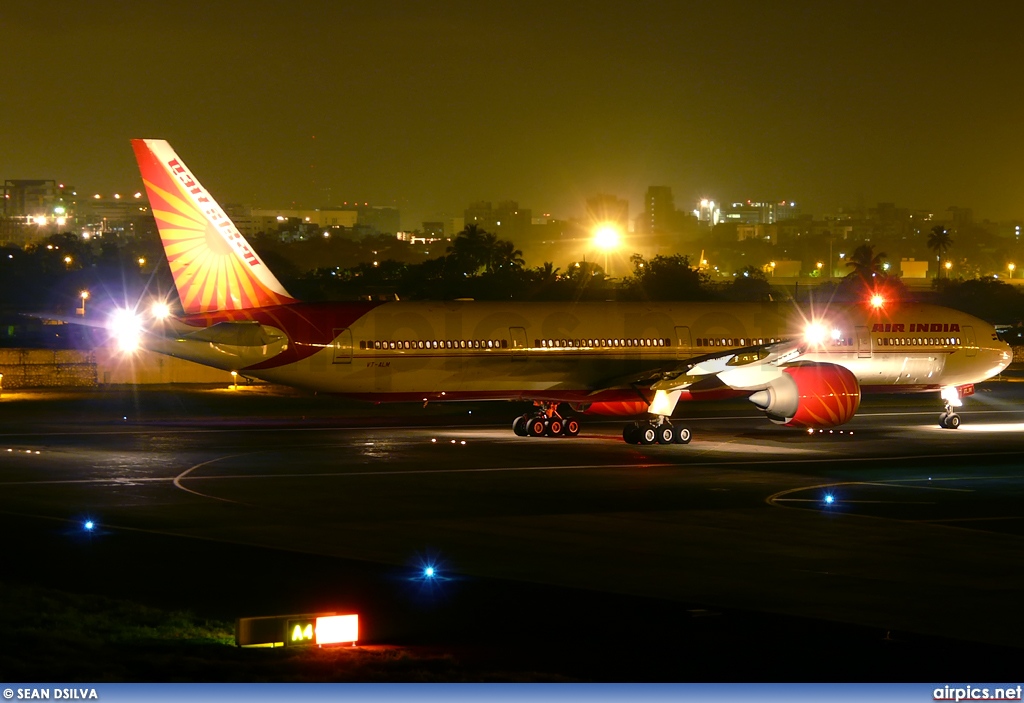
{"type": "Point", "coordinates": [606, 237]}
{"type": "Point", "coordinates": [877, 301]}
{"type": "Point", "coordinates": [126, 327]}
{"type": "Point", "coordinates": [160, 310]}
{"type": "Point", "coordinates": [815, 333]}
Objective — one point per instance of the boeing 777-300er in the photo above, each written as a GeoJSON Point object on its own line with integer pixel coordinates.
{"type": "Point", "coordinates": [803, 368]}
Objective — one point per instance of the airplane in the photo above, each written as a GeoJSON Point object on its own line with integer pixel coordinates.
{"type": "Point", "coordinates": [803, 368]}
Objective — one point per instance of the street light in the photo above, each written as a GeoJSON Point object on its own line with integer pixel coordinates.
{"type": "Point", "coordinates": [84, 295]}
{"type": "Point", "coordinates": [142, 261]}
{"type": "Point", "coordinates": [606, 237]}
{"type": "Point", "coordinates": [948, 265]}
{"type": "Point", "coordinates": [771, 265]}
{"type": "Point", "coordinates": [1011, 267]}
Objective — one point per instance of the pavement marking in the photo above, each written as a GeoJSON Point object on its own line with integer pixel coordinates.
{"type": "Point", "coordinates": [838, 501]}
{"type": "Point", "coordinates": [177, 479]}
{"type": "Point", "coordinates": [923, 488]}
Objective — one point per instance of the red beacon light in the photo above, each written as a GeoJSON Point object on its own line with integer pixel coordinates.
{"type": "Point", "coordinates": [877, 301]}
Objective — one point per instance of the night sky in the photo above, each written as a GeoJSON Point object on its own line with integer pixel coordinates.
{"type": "Point", "coordinates": [431, 105]}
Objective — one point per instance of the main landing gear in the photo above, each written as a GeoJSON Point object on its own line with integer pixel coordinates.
{"type": "Point", "coordinates": [659, 431]}
{"type": "Point", "coordinates": [545, 421]}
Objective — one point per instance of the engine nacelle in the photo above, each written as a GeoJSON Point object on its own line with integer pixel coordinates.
{"type": "Point", "coordinates": [810, 395]}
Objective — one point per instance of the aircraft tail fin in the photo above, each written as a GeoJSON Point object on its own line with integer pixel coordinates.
{"type": "Point", "coordinates": [214, 268]}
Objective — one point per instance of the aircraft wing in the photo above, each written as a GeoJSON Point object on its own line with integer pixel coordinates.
{"type": "Point", "coordinates": [746, 368]}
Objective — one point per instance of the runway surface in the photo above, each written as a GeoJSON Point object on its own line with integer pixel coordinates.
{"type": "Point", "coordinates": [886, 525]}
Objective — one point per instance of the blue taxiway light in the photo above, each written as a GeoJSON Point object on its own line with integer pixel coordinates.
{"type": "Point", "coordinates": [89, 525]}
{"type": "Point", "coordinates": [428, 572]}
{"type": "Point", "coordinates": [829, 499]}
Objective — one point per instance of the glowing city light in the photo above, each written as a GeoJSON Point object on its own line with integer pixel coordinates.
{"type": "Point", "coordinates": [606, 236]}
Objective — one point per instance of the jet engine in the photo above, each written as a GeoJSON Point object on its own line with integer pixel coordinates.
{"type": "Point", "coordinates": [810, 395]}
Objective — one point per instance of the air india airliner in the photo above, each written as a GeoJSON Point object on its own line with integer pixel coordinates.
{"type": "Point", "coordinates": [804, 368]}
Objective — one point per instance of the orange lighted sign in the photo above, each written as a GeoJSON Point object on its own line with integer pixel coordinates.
{"type": "Point", "coordinates": [335, 629]}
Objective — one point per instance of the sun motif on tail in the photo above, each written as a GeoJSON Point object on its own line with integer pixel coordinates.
{"type": "Point", "coordinates": [214, 268]}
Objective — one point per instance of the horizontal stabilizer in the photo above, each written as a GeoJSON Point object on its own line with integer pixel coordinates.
{"type": "Point", "coordinates": [235, 334]}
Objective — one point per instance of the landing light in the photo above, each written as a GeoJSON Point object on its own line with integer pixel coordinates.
{"type": "Point", "coordinates": [815, 333]}
{"type": "Point", "coordinates": [160, 310]}
{"type": "Point", "coordinates": [952, 396]}
{"type": "Point", "coordinates": [126, 328]}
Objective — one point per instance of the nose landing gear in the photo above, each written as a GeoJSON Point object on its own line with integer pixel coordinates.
{"type": "Point", "coordinates": [948, 419]}
{"type": "Point", "coordinates": [951, 397]}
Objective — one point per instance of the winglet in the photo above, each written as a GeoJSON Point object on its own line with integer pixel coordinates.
{"type": "Point", "coordinates": [214, 268]}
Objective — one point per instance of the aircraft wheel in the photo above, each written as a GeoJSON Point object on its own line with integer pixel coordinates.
{"type": "Point", "coordinates": [536, 427]}
{"type": "Point", "coordinates": [554, 427]}
{"type": "Point", "coordinates": [648, 435]}
{"type": "Point", "coordinates": [952, 421]}
{"type": "Point", "coordinates": [681, 435]}
{"type": "Point", "coordinates": [631, 433]}
{"type": "Point", "coordinates": [572, 427]}
{"type": "Point", "coordinates": [666, 435]}
{"type": "Point", "coordinates": [521, 425]}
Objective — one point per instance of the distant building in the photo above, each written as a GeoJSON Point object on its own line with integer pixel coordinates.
{"type": "Point", "coordinates": [433, 230]}
{"type": "Point", "coordinates": [117, 215]}
{"type": "Point", "coordinates": [609, 208]}
{"type": "Point", "coordinates": [33, 209]}
{"type": "Point", "coordinates": [507, 220]}
{"type": "Point", "coordinates": [659, 216]}
{"type": "Point", "coordinates": [379, 219]}
{"type": "Point", "coordinates": [31, 198]}
{"type": "Point", "coordinates": [909, 268]}
{"type": "Point", "coordinates": [761, 212]}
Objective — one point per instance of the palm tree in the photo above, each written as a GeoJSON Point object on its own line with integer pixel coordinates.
{"type": "Point", "coordinates": [505, 254]}
{"type": "Point", "coordinates": [472, 248]}
{"type": "Point", "coordinates": [866, 263]}
{"type": "Point", "coordinates": [939, 241]}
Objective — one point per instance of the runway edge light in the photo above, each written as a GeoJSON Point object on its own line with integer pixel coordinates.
{"type": "Point", "coordinates": [297, 630]}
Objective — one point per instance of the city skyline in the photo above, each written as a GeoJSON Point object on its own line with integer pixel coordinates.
{"type": "Point", "coordinates": [429, 108]}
